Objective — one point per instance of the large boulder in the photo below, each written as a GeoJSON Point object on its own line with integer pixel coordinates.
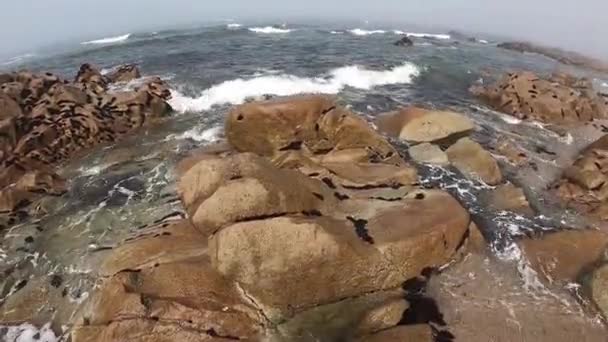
{"type": "Point", "coordinates": [428, 154]}
{"type": "Point", "coordinates": [89, 78]}
{"type": "Point", "coordinates": [287, 262]}
{"type": "Point", "coordinates": [472, 160]}
{"type": "Point", "coordinates": [598, 286]}
{"type": "Point", "coordinates": [419, 125]}
{"type": "Point", "coordinates": [526, 95]}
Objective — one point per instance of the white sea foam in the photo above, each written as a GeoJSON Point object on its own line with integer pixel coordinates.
{"type": "Point", "coordinates": [423, 35]}
{"type": "Point", "coordinates": [483, 41]}
{"type": "Point", "coordinates": [336, 32]}
{"type": "Point", "coordinates": [199, 134]}
{"type": "Point", "coordinates": [28, 333]}
{"type": "Point", "coordinates": [269, 30]}
{"type": "Point", "coordinates": [109, 40]}
{"type": "Point", "coordinates": [17, 59]}
{"type": "Point", "coordinates": [234, 26]}
{"type": "Point", "coordinates": [362, 32]}
{"type": "Point", "coordinates": [238, 90]}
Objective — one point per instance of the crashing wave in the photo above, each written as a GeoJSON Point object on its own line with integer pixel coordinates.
{"type": "Point", "coordinates": [109, 40]}
{"type": "Point", "coordinates": [269, 29]}
{"type": "Point", "coordinates": [238, 90]}
{"type": "Point", "coordinates": [362, 32]}
{"type": "Point", "coordinates": [234, 26]}
{"type": "Point", "coordinates": [336, 32]}
{"type": "Point", "coordinates": [423, 35]}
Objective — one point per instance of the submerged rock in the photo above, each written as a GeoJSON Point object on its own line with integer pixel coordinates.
{"type": "Point", "coordinates": [420, 332]}
{"type": "Point", "coordinates": [405, 42]}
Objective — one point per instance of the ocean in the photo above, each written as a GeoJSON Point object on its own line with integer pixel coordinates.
{"type": "Point", "coordinates": [116, 189]}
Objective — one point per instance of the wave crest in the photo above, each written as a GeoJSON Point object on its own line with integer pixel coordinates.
{"type": "Point", "coordinates": [362, 32]}
{"type": "Point", "coordinates": [234, 26]}
{"type": "Point", "coordinates": [423, 35]}
{"type": "Point", "coordinates": [109, 40]}
{"type": "Point", "coordinates": [238, 90]}
{"type": "Point", "coordinates": [269, 30]}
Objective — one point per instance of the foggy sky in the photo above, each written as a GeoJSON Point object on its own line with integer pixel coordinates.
{"type": "Point", "coordinates": [578, 25]}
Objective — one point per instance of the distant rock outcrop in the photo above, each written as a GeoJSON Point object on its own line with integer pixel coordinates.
{"type": "Point", "coordinates": [562, 56]}
{"type": "Point", "coordinates": [405, 42]}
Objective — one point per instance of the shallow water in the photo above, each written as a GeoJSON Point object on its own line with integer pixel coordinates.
{"type": "Point", "coordinates": [117, 190]}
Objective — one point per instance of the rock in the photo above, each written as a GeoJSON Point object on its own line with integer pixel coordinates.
{"type": "Point", "coordinates": [482, 299]}
{"type": "Point", "coordinates": [312, 124]}
{"type": "Point", "coordinates": [125, 73]}
{"type": "Point", "coordinates": [345, 319]}
{"type": "Point", "coordinates": [475, 162]}
{"type": "Point", "coordinates": [509, 198]}
{"type": "Point", "coordinates": [419, 125]}
{"type": "Point", "coordinates": [428, 154]}
{"type": "Point", "coordinates": [418, 333]}
{"type": "Point", "coordinates": [405, 41]}
{"type": "Point", "coordinates": [365, 240]}
{"type": "Point", "coordinates": [565, 57]}
{"type": "Point", "coordinates": [89, 78]}
{"type": "Point", "coordinates": [165, 295]}
{"type": "Point", "coordinates": [513, 153]}
{"type": "Point", "coordinates": [564, 256]}
{"type": "Point", "coordinates": [583, 185]}
{"type": "Point", "coordinates": [599, 289]}
{"type": "Point", "coordinates": [528, 96]}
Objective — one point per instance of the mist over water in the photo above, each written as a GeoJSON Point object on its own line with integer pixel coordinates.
{"type": "Point", "coordinates": [28, 25]}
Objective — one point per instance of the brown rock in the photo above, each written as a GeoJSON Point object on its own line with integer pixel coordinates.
{"type": "Point", "coordinates": [564, 256]}
{"type": "Point", "coordinates": [418, 333]}
{"type": "Point", "coordinates": [369, 250]}
{"type": "Point", "coordinates": [475, 162]}
{"type": "Point", "coordinates": [510, 198]}
{"type": "Point", "coordinates": [428, 154]}
{"type": "Point", "coordinates": [525, 95]}
{"type": "Point", "coordinates": [420, 125]}
{"type": "Point", "coordinates": [125, 73]}
{"type": "Point", "coordinates": [89, 78]}
{"type": "Point", "coordinates": [385, 316]}
{"type": "Point", "coordinates": [599, 289]}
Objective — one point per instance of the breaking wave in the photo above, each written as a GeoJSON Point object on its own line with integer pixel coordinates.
{"type": "Point", "coordinates": [269, 29]}
{"type": "Point", "coordinates": [423, 35]}
{"type": "Point", "coordinates": [233, 26]}
{"type": "Point", "coordinates": [109, 40]}
{"type": "Point", "coordinates": [238, 90]}
{"type": "Point", "coordinates": [361, 32]}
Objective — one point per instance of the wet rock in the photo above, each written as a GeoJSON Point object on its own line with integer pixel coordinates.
{"type": "Point", "coordinates": [346, 319]}
{"type": "Point", "coordinates": [599, 289]}
{"type": "Point", "coordinates": [471, 159]}
{"type": "Point", "coordinates": [405, 42]}
{"type": "Point", "coordinates": [565, 256]}
{"type": "Point", "coordinates": [483, 299]}
{"type": "Point", "coordinates": [428, 154]}
{"type": "Point", "coordinates": [528, 96]}
{"type": "Point", "coordinates": [420, 125]}
{"type": "Point", "coordinates": [509, 198]}
{"type": "Point", "coordinates": [420, 332]}
{"type": "Point", "coordinates": [125, 73]}
{"type": "Point", "coordinates": [513, 153]}
{"type": "Point", "coordinates": [89, 78]}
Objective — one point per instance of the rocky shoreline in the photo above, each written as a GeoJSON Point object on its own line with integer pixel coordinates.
{"type": "Point", "coordinates": [310, 223]}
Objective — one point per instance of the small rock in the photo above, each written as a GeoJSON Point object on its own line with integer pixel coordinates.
{"type": "Point", "coordinates": [472, 160]}
{"type": "Point", "coordinates": [405, 42]}
{"type": "Point", "coordinates": [599, 289]}
{"type": "Point", "coordinates": [510, 198]}
{"type": "Point", "coordinates": [428, 154]}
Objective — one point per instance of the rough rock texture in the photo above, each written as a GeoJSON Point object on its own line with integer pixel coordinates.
{"type": "Point", "coordinates": [420, 125]}
{"type": "Point", "coordinates": [583, 186]}
{"type": "Point", "coordinates": [483, 299]}
{"type": "Point", "coordinates": [475, 162]}
{"type": "Point", "coordinates": [528, 96]}
{"type": "Point", "coordinates": [565, 256]}
{"type": "Point", "coordinates": [508, 197]}
{"type": "Point", "coordinates": [599, 289]}
{"type": "Point", "coordinates": [125, 73]}
{"type": "Point", "coordinates": [155, 293]}
{"type": "Point", "coordinates": [45, 121]}
{"type": "Point", "coordinates": [428, 154]}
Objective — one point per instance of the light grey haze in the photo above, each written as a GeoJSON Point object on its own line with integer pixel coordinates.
{"type": "Point", "coordinates": [575, 25]}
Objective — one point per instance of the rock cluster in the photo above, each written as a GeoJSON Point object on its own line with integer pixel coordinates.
{"type": "Point", "coordinates": [310, 213]}
{"type": "Point", "coordinates": [45, 121]}
{"type": "Point", "coordinates": [559, 100]}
